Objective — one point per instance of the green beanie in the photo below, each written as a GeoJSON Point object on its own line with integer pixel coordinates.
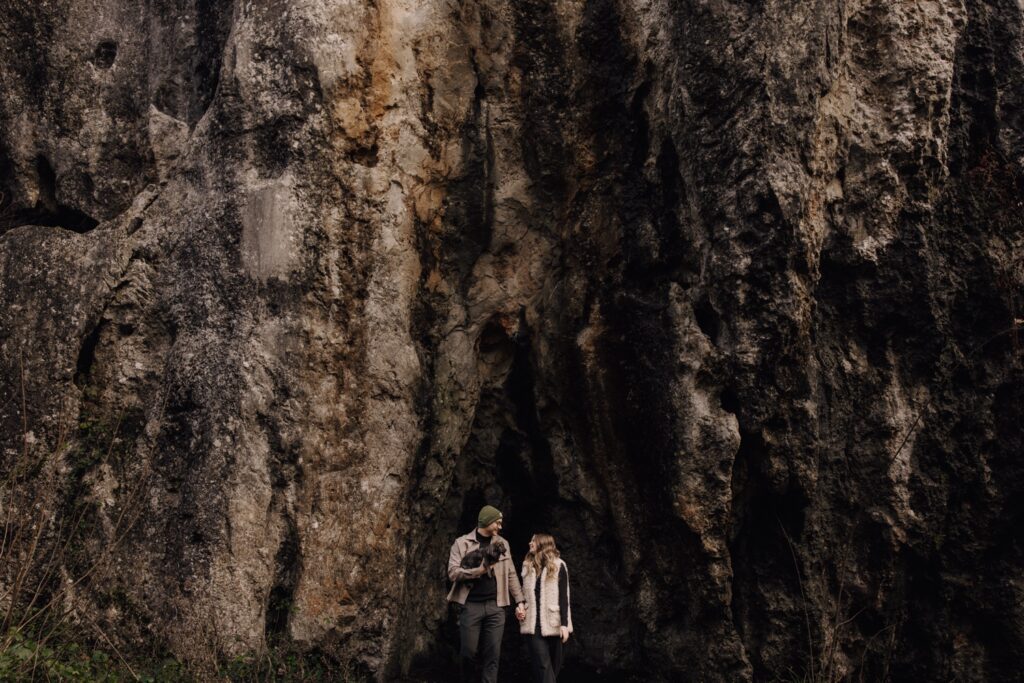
{"type": "Point", "coordinates": [488, 515]}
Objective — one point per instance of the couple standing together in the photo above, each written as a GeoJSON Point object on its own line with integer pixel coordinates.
{"type": "Point", "coordinates": [542, 602]}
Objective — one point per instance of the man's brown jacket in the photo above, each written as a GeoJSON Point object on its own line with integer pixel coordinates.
{"type": "Point", "coordinates": [504, 572]}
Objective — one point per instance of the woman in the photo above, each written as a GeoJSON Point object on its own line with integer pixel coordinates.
{"type": "Point", "coordinates": [548, 620]}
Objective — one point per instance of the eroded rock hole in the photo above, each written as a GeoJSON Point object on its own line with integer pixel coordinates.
{"type": "Point", "coordinates": [86, 357]}
{"type": "Point", "coordinates": [495, 339]}
{"type": "Point", "coordinates": [105, 54]}
{"type": "Point", "coordinates": [708, 320]}
{"type": "Point", "coordinates": [366, 156]}
{"type": "Point", "coordinates": [47, 210]}
{"type": "Point", "coordinates": [497, 345]}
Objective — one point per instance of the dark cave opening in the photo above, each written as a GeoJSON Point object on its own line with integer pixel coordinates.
{"type": "Point", "coordinates": [525, 508]}
{"type": "Point", "coordinates": [507, 463]}
{"type": "Point", "coordinates": [524, 458]}
{"type": "Point", "coordinates": [508, 458]}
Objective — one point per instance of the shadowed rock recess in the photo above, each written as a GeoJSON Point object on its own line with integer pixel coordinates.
{"type": "Point", "coordinates": [723, 294]}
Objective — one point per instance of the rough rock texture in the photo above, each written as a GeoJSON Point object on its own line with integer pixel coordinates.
{"type": "Point", "coordinates": [723, 294]}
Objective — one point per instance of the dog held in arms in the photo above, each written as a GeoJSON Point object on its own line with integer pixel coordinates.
{"type": "Point", "coordinates": [488, 556]}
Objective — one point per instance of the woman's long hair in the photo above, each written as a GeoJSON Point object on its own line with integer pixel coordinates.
{"type": "Point", "coordinates": [545, 555]}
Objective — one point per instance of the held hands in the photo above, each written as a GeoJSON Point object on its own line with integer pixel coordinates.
{"type": "Point", "coordinates": [521, 613]}
{"type": "Point", "coordinates": [565, 633]}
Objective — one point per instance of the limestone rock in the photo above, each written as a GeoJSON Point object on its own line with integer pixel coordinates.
{"type": "Point", "coordinates": [724, 294]}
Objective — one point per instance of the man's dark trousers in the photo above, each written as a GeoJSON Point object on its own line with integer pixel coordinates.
{"type": "Point", "coordinates": [481, 626]}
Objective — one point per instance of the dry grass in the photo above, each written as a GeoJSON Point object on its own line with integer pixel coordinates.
{"type": "Point", "coordinates": [37, 588]}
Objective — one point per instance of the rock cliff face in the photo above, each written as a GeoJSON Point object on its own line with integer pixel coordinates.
{"type": "Point", "coordinates": [724, 294]}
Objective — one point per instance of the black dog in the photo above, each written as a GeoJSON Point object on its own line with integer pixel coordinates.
{"type": "Point", "coordinates": [488, 556]}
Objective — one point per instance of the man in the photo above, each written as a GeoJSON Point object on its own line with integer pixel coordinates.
{"type": "Point", "coordinates": [484, 593]}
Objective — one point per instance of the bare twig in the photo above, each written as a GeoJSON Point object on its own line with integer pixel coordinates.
{"type": "Point", "coordinates": [112, 646]}
{"type": "Point", "coordinates": [803, 596]}
{"type": "Point", "coordinates": [34, 549]}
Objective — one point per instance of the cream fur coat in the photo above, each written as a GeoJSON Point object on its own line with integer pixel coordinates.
{"type": "Point", "coordinates": [551, 617]}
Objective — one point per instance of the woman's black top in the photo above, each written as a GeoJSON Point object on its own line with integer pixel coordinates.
{"type": "Point", "coordinates": [563, 597]}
